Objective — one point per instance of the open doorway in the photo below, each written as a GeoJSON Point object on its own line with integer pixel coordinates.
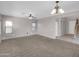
{"type": "Point", "coordinates": [66, 29]}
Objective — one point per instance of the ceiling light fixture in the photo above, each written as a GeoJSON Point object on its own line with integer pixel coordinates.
{"type": "Point", "coordinates": [30, 16]}
{"type": "Point", "coordinates": [57, 9]}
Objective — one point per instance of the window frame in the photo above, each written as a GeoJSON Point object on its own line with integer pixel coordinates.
{"type": "Point", "coordinates": [9, 27]}
{"type": "Point", "coordinates": [34, 28]}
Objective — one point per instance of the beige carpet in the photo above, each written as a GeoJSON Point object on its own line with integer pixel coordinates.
{"type": "Point", "coordinates": [37, 46]}
{"type": "Point", "coordinates": [69, 38]}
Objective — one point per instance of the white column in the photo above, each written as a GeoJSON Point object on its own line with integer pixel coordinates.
{"type": "Point", "coordinates": [56, 28]}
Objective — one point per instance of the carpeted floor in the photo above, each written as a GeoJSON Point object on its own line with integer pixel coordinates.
{"type": "Point", "coordinates": [37, 46]}
{"type": "Point", "coordinates": [69, 38]}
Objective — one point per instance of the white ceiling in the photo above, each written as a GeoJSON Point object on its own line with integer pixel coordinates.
{"type": "Point", "coordinates": [39, 9]}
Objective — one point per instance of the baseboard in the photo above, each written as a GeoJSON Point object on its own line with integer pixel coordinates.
{"type": "Point", "coordinates": [4, 38]}
{"type": "Point", "coordinates": [47, 36]}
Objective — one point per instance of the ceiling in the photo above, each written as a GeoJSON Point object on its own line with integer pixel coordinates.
{"type": "Point", "coordinates": [39, 9]}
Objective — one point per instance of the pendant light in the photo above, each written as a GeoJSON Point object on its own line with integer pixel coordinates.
{"type": "Point", "coordinates": [57, 9]}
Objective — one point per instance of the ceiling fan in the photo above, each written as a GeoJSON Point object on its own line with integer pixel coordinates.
{"type": "Point", "coordinates": [29, 14]}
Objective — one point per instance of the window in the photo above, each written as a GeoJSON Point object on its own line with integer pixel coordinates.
{"type": "Point", "coordinates": [8, 27]}
{"type": "Point", "coordinates": [34, 26]}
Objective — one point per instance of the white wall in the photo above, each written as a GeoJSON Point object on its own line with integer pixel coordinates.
{"type": "Point", "coordinates": [60, 26]}
{"type": "Point", "coordinates": [71, 27]}
{"type": "Point", "coordinates": [52, 26]}
{"type": "Point", "coordinates": [70, 24]}
{"type": "Point", "coordinates": [20, 27]}
{"type": "Point", "coordinates": [0, 29]}
{"type": "Point", "coordinates": [66, 25]}
{"type": "Point", "coordinates": [47, 27]}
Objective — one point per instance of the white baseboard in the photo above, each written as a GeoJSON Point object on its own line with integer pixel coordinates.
{"type": "Point", "coordinates": [5, 38]}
